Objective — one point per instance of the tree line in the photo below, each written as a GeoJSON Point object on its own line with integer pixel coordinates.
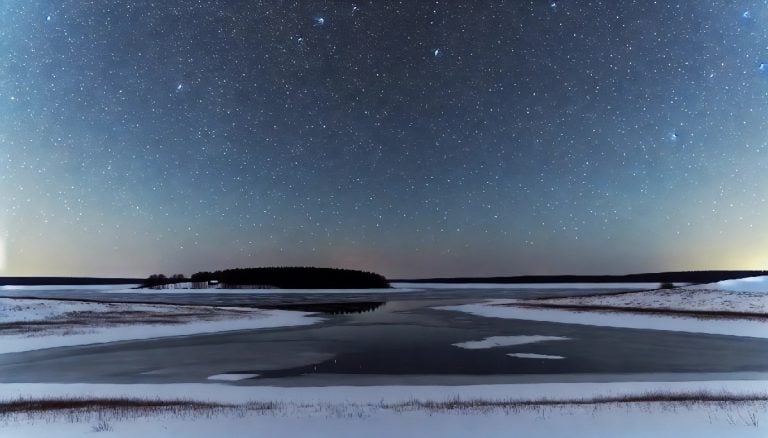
{"type": "Point", "coordinates": [279, 277]}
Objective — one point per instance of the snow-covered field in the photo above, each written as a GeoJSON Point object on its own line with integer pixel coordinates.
{"type": "Point", "coordinates": [483, 410]}
{"type": "Point", "coordinates": [705, 298]}
{"type": "Point", "coordinates": [32, 324]}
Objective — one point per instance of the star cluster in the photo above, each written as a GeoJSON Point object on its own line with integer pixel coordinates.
{"type": "Point", "coordinates": [413, 138]}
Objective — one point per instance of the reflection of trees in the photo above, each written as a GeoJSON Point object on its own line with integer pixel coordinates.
{"type": "Point", "coordinates": [330, 308]}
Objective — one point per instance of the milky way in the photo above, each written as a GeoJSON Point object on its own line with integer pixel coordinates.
{"type": "Point", "coordinates": [412, 138]}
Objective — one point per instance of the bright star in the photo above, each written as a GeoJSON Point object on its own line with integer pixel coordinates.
{"type": "Point", "coordinates": [319, 21]}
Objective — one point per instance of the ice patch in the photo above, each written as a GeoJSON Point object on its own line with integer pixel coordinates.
{"type": "Point", "coordinates": [232, 377]}
{"type": "Point", "coordinates": [505, 341]}
{"type": "Point", "coordinates": [534, 356]}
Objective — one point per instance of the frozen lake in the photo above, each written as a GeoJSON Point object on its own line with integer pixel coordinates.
{"type": "Point", "coordinates": [402, 339]}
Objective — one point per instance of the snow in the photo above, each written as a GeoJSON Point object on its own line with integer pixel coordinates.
{"type": "Point", "coordinates": [707, 421]}
{"type": "Point", "coordinates": [534, 356]}
{"type": "Point", "coordinates": [698, 298]}
{"type": "Point", "coordinates": [505, 341]}
{"type": "Point", "coordinates": [227, 393]}
{"type": "Point", "coordinates": [111, 322]}
{"type": "Point", "coordinates": [358, 411]}
{"type": "Point", "coordinates": [749, 284]}
{"type": "Point", "coordinates": [232, 377]}
{"type": "Point", "coordinates": [507, 309]}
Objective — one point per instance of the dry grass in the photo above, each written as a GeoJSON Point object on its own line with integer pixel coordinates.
{"type": "Point", "coordinates": [100, 413]}
{"type": "Point", "coordinates": [683, 399]}
{"type": "Point", "coordinates": [129, 406]}
{"type": "Point", "coordinates": [738, 410]}
{"type": "Point", "coordinates": [25, 405]}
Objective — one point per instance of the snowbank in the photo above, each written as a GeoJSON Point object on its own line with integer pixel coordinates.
{"type": "Point", "coordinates": [750, 284]}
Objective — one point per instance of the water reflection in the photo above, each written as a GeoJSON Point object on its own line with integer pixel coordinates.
{"type": "Point", "coordinates": [337, 308]}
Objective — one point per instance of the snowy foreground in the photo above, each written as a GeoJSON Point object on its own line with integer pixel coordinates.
{"type": "Point", "coordinates": [32, 324]}
{"type": "Point", "coordinates": [483, 410]}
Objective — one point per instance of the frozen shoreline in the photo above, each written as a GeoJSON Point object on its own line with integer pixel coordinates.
{"type": "Point", "coordinates": [738, 304]}
{"type": "Point", "coordinates": [33, 324]}
{"type": "Point", "coordinates": [508, 309]}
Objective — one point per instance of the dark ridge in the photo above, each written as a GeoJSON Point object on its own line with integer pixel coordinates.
{"type": "Point", "coordinates": [658, 277]}
{"type": "Point", "coordinates": [293, 278]}
{"type": "Point", "coordinates": [65, 281]}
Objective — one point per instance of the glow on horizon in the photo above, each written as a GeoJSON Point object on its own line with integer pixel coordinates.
{"type": "Point", "coordinates": [2, 255]}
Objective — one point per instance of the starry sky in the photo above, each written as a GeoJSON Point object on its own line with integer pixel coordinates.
{"type": "Point", "coordinates": [413, 138]}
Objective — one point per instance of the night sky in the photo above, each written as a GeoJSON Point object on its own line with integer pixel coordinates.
{"type": "Point", "coordinates": [411, 138]}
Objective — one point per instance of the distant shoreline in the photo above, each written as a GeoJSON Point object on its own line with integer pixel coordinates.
{"type": "Point", "coordinates": [65, 281]}
{"type": "Point", "coordinates": [657, 277]}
